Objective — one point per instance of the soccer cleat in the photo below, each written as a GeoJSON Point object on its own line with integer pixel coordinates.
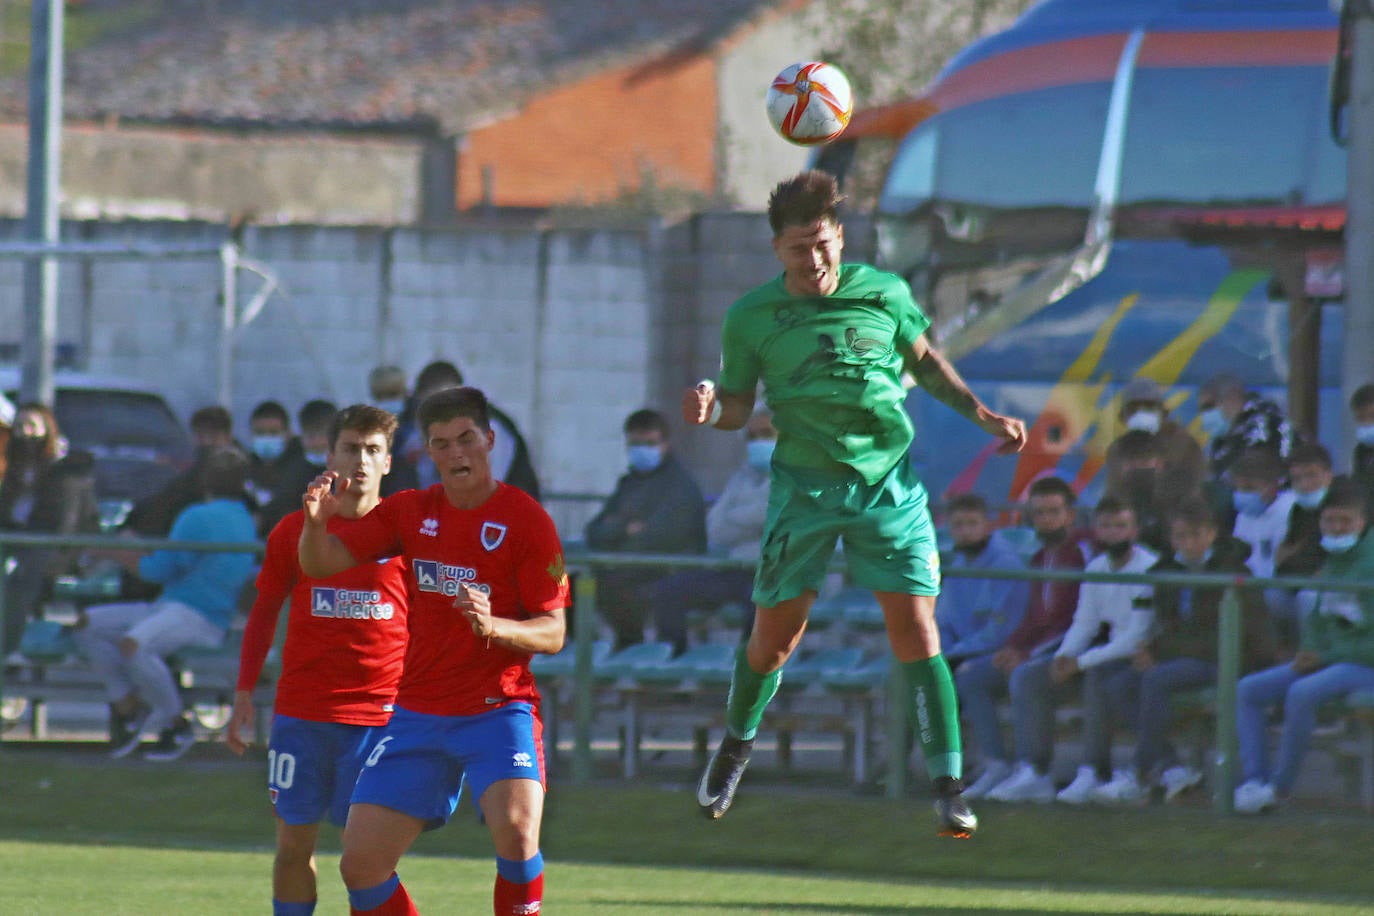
{"type": "Point", "coordinates": [1024, 785]}
{"type": "Point", "coordinates": [129, 735]}
{"type": "Point", "coordinates": [1122, 789]}
{"type": "Point", "coordinates": [172, 743]}
{"type": "Point", "coordinates": [716, 790]}
{"type": "Point", "coordinates": [952, 814]}
{"type": "Point", "coordinates": [1080, 791]}
{"type": "Point", "coordinates": [1255, 797]}
{"type": "Point", "coordinates": [1177, 780]}
{"type": "Point", "coordinates": [994, 773]}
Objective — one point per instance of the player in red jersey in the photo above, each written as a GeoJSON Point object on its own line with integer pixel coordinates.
{"type": "Point", "coordinates": [345, 643]}
{"type": "Point", "coordinates": [488, 589]}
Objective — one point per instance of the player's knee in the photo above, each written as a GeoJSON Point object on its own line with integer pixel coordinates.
{"type": "Point", "coordinates": [295, 855]}
{"type": "Point", "coordinates": [362, 871]}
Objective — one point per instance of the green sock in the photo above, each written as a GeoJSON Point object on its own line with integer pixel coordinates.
{"type": "Point", "coordinates": [935, 715]}
{"type": "Point", "coordinates": [750, 693]}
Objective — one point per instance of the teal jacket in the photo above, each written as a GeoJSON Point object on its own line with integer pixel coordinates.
{"type": "Point", "coordinates": [1341, 626]}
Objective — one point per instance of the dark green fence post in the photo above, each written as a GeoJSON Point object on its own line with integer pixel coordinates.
{"type": "Point", "coordinates": [584, 634]}
{"type": "Point", "coordinates": [1228, 672]}
{"type": "Point", "coordinates": [4, 589]}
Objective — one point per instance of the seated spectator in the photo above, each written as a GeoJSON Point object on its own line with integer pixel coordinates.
{"type": "Point", "coordinates": [1300, 552]}
{"type": "Point", "coordinates": [1180, 653]}
{"type": "Point", "coordinates": [386, 386]}
{"type": "Point", "coordinates": [127, 643]}
{"type": "Point", "coordinates": [510, 456]}
{"type": "Point", "coordinates": [1262, 507]}
{"type": "Point", "coordinates": [1142, 483]}
{"type": "Point", "coordinates": [1110, 623]}
{"type": "Point", "coordinates": [655, 508]}
{"type": "Point", "coordinates": [314, 419]}
{"type": "Point", "coordinates": [1236, 420]}
{"type": "Point", "coordinates": [1180, 457]}
{"type": "Point", "coordinates": [734, 529]}
{"type": "Point", "coordinates": [1362, 456]}
{"type": "Point", "coordinates": [1335, 656]}
{"type": "Point", "coordinates": [975, 616]}
{"type": "Point", "coordinates": [49, 489]}
{"type": "Point", "coordinates": [276, 463]}
{"type": "Point", "coordinates": [984, 679]}
{"type": "Point", "coordinates": [212, 428]}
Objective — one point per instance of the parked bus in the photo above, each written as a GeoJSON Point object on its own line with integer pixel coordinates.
{"type": "Point", "coordinates": [1108, 190]}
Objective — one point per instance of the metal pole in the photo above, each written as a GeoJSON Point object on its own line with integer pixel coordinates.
{"type": "Point", "coordinates": [4, 594]}
{"type": "Point", "coordinates": [1228, 672]}
{"type": "Point", "coordinates": [584, 634]}
{"type": "Point", "coordinates": [228, 323]}
{"type": "Point", "coordinates": [43, 187]}
{"type": "Point", "coordinates": [1357, 353]}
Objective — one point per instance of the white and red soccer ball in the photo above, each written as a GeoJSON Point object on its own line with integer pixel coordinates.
{"type": "Point", "coordinates": [810, 103]}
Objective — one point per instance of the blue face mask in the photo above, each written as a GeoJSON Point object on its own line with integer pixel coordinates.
{"type": "Point", "coordinates": [644, 457]}
{"type": "Point", "coordinates": [1311, 499]}
{"type": "Point", "coordinates": [1248, 503]}
{"type": "Point", "coordinates": [1339, 543]}
{"type": "Point", "coordinates": [1213, 421]}
{"type": "Point", "coordinates": [759, 453]}
{"type": "Point", "coordinates": [268, 447]}
{"type": "Point", "coordinates": [394, 405]}
{"type": "Point", "coordinates": [317, 457]}
{"type": "Point", "coordinates": [1365, 434]}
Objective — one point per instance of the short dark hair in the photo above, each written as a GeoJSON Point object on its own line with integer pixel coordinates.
{"type": "Point", "coordinates": [1310, 453]}
{"type": "Point", "coordinates": [364, 419]}
{"type": "Point", "coordinates": [1345, 493]}
{"type": "Point", "coordinates": [966, 502]}
{"type": "Point", "coordinates": [212, 419]}
{"type": "Point", "coordinates": [1111, 505]}
{"type": "Point", "coordinates": [1260, 463]}
{"type": "Point", "coordinates": [803, 199]}
{"type": "Point", "coordinates": [1138, 445]}
{"type": "Point", "coordinates": [452, 403]}
{"type": "Point", "coordinates": [271, 410]}
{"type": "Point", "coordinates": [1196, 512]}
{"type": "Point", "coordinates": [647, 420]}
{"type": "Point", "coordinates": [439, 374]}
{"type": "Point", "coordinates": [1363, 397]}
{"type": "Point", "coordinates": [316, 415]}
{"type": "Point", "coordinates": [223, 472]}
{"type": "Point", "coordinates": [1053, 486]}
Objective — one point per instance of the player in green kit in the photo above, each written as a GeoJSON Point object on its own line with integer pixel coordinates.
{"type": "Point", "coordinates": [830, 343]}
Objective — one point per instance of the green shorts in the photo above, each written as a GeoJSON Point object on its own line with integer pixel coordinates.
{"type": "Point", "coordinates": [888, 537]}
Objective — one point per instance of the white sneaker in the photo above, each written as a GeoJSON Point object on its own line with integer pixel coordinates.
{"type": "Point", "coordinates": [1122, 789]}
{"type": "Point", "coordinates": [994, 772]}
{"type": "Point", "coordinates": [1177, 780]}
{"type": "Point", "coordinates": [1255, 797]}
{"type": "Point", "coordinates": [1024, 785]}
{"type": "Point", "coordinates": [1080, 791]}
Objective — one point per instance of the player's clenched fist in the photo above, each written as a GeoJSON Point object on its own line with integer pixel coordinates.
{"type": "Point", "coordinates": [699, 403]}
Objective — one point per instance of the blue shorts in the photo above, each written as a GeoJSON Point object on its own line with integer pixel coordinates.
{"type": "Point", "coordinates": [421, 762]}
{"type": "Point", "coordinates": [311, 767]}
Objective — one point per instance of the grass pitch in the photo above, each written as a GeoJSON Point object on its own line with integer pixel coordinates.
{"type": "Point", "coordinates": [81, 835]}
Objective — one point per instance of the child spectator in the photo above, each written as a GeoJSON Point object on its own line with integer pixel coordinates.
{"type": "Point", "coordinates": [1262, 507]}
{"type": "Point", "coordinates": [1335, 656]}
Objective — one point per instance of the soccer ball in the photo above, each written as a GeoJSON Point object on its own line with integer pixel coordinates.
{"type": "Point", "coordinates": [810, 103]}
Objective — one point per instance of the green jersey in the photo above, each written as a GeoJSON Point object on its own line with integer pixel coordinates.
{"type": "Point", "coordinates": [831, 368]}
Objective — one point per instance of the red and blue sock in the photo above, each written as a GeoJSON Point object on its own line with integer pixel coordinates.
{"type": "Point", "coordinates": [386, 899]}
{"type": "Point", "coordinates": [286, 908]}
{"type": "Point", "coordinates": [519, 886]}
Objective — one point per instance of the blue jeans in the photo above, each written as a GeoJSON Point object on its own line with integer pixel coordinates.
{"type": "Point", "coordinates": [1033, 700]}
{"type": "Point", "coordinates": [1300, 695]}
{"type": "Point", "coordinates": [980, 686]}
{"type": "Point", "coordinates": [1141, 700]}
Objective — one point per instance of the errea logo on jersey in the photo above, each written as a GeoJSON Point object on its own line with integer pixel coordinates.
{"type": "Point", "coordinates": [349, 604]}
{"type": "Point", "coordinates": [430, 527]}
{"type": "Point", "coordinates": [521, 759]}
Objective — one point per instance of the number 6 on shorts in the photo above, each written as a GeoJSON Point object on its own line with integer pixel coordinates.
{"type": "Point", "coordinates": [377, 752]}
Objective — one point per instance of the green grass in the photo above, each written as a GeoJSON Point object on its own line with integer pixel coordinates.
{"type": "Point", "coordinates": [80, 835]}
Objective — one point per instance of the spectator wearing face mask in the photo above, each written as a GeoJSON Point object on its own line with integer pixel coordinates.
{"type": "Point", "coordinates": [734, 529]}
{"type": "Point", "coordinates": [1262, 507]}
{"type": "Point", "coordinates": [1362, 457]}
{"type": "Point", "coordinates": [656, 508]}
{"type": "Point", "coordinates": [295, 474]}
{"type": "Point", "coordinates": [276, 462]}
{"type": "Point", "coordinates": [1237, 420]}
{"type": "Point", "coordinates": [1180, 458]}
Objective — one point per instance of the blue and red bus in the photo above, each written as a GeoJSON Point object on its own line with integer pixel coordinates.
{"type": "Point", "coordinates": [1116, 189]}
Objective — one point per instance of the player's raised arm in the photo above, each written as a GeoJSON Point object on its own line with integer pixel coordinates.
{"type": "Point", "coordinates": [706, 405]}
{"type": "Point", "coordinates": [938, 377]}
{"type": "Point", "coordinates": [538, 633]}
{"type": "Point", "coordinates": [321, 554]}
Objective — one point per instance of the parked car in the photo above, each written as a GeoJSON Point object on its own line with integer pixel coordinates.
{"type": "Point", "coordinates": [137, 440]}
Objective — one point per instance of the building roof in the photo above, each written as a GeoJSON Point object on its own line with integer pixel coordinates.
{"type": "Point", "coordinates": [405, 64]}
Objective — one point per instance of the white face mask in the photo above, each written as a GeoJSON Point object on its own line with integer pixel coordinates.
{"type": "Point", "coordinates": [1145, 420]}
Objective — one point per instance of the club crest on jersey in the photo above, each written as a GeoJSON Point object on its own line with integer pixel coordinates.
{"type": "Point", "coordinates": [492, 535]}
{"type": "Point", "coordinates": [430, 527]}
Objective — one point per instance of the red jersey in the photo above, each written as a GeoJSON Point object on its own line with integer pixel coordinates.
{"type": "Point", "coordinates": [507, 547]}
{"type": "Point", "coordinates": [345, 635]}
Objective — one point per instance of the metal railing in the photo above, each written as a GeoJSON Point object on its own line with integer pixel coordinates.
{"type": "Point", "coordinates": [585, 622]}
